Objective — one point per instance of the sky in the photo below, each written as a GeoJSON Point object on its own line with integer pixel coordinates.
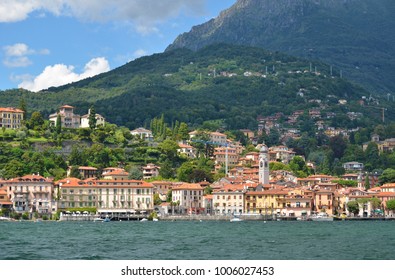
{"type": "Point", "coordinates": [46, 43]}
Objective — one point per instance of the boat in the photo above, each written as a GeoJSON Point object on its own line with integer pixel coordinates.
{"type": "Point", "coordinates": [321, 217]}
{"type": "Point", "coordinates": [143, 220]}
{"type": "Point", "coordinates": [155, 219]}
{"type": "Point", "coordinates": [98, 220]}
{"type": "Point", "coordinates": [235, 219]}
{"type": "Point", "coordinates": [107, 219]}
{"type": "Point", "coordinates": [5, 219]}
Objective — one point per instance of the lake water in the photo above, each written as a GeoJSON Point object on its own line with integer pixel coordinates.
{"type": "Point", "coordinates": [255, 240]}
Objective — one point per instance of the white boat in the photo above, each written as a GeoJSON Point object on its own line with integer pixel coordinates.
{"type": "Point", "coordinates": [5, 219]}
{"type": "Point", "coordinates": [143, 220]}
{"type": "Point", "coordinates": [235, 219]}
{"type": "Point", "coordinates": [155, 219]}
{"type": "Point", "coordinates": [321, 217]}
{"type": "Point", "coordinates": [98, 220]}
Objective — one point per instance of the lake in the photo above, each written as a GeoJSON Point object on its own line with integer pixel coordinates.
{"type": "Point", "coordinates": [206, 240]}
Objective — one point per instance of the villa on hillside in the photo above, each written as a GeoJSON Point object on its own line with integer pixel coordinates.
{"type": "Point", "coordinates": [11, 117]}
{"type": "Point", "coordinates": [143, 133]}
{"type": "Point", "coordinates": [67, 117]}
{"type": "Point", "coordinates": [71, 120]}
{"type": "Point", "coordinates": [100, 121]}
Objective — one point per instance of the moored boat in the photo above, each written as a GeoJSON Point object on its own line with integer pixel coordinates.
{"type": "Point", "coordinates": [321, 217]}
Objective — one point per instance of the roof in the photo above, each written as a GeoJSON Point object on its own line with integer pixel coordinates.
{"type": "Point", "coordinates": [386, 194]}
{"type": "Point", "coordinates": [10, 110]}
{"type": "Point", "coordinates": [67, 106]}
{"type": "Point", "coordinates": [117, 172]}
{"type": "Point", "coordinates": [87, 168]}
{"type": "Point", "coordinates": [187, 186]}
{"type": "Point", "coordinates": [268, 192]}
{"type": "Point", "coordinates": [30, 178]}
{"type": "Point", "coordinates": [217, 134]}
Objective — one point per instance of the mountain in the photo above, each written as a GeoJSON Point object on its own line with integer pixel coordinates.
{"type": "Point", "coordinates": [354, 36]}
{"type": "Point", "coordinates": [228, 84]}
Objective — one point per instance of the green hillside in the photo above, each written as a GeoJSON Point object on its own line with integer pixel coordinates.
{"type": "Point", "coordinates": [231, 84]}
{"type": "Point", "coordinates": [356, 36]}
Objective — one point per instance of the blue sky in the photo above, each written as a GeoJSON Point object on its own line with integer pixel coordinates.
{"type": "Point", "coordinates": [47, 43]}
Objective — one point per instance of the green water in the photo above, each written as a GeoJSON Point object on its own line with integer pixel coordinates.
{"type": "Point", "coordinates": [351, 240]}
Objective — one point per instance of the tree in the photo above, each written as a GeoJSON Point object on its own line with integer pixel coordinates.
{"type": "Point", "coordinates": [299, 167]}
{"type": "Point", "coordinates": [388, 176]}
{"type": "Point", "coordinates": [390, 204]}
{"type": "Point", "coordinates": [36, 120]}
{"type": "Point", "coordinates": [135, 173]}
{"type": "Point", "coordinates": [92, 117]}
{"type": "Point", "coordinates": [166, 171]}
{"type": "Point", "coordinates": [74, 173]}
{"type": "Point", "coordinates": [353, 207]}
{"type": "Point", "coordinates": [157, 200]}
{"type": "Point", "coordinates": [338, 145]}
{"type": "Point", "coordinates": [58, 124]}
{"type": "Point", "coordinates": [23, 107]}
{"type": "Point", "coordinates": [169, 149]}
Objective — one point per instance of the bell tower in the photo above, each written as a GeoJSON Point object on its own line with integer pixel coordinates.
{"type": "Point", "coordinates": [264, 165]}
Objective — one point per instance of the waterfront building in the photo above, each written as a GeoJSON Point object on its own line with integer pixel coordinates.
{"type": "Point", "coordinates": [32, 193]}
{"type": "Point", "coordinates": [296, 204]}
{"type": "Point", "coordinates": [11, 117]}
{"type": "Point", "coordinates": [5, 201]}
{"type": "Point", "coordinates": [162, 188]}
{"type": "Point", "coordinates": [189, 197]}
{"type": "Point", "coordinates": [229, 199]}
{"type": "Point", "coordinates": [76, 193]}
{"type": "Point", "coordinates": [108, 196]}
{"type": "Point", "coordinates": [266, 202]}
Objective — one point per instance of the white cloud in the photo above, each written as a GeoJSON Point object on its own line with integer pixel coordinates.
{"type": "Point", "coordinates": [144, 14]}
{"type": "Point", "coordinates": [20, 61]}
{"type": "Point", "coordinates": [17, 55]}
{"type": "Point", "coordinates": [60, 74]}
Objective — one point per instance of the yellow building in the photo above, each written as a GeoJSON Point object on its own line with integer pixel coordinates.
{"type": "Point", "coordinates": [11, 118]}
{"type": "Point", "coordinates": [265, 202]}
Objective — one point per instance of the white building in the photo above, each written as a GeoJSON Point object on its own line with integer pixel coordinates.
{"type": "Point", "coordinates": [32, 193]}
{"type": "Point", "coordinates": [100, 121]}
{"type": "Point", "coordinates": [189, 197]}
{"type": "Point", "coordinates": [143, 133]}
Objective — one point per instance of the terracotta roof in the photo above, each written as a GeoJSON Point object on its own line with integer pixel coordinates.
{"type": "Point", "coordinates": [10, 110]}
{"type": "Point", "coordinates": [32, 178]}
{"type": "Point", "coordinates": [117, 172]}
{"type": "Point", "coordinates": [268, 192]}
{"type": "Point", "coordinates": [386, 194]}
{"type": "Point", "coordinates": [187, 186]}
{"type": "Point", "coordinates": [67, 106]}
{"type": "Point", "coordinates": [74, 182]}
{"type": "Point", "coordinates": [87, 168]}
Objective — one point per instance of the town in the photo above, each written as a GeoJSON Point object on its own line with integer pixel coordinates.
{"type": "Point", "coordinates": [256, 183]}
